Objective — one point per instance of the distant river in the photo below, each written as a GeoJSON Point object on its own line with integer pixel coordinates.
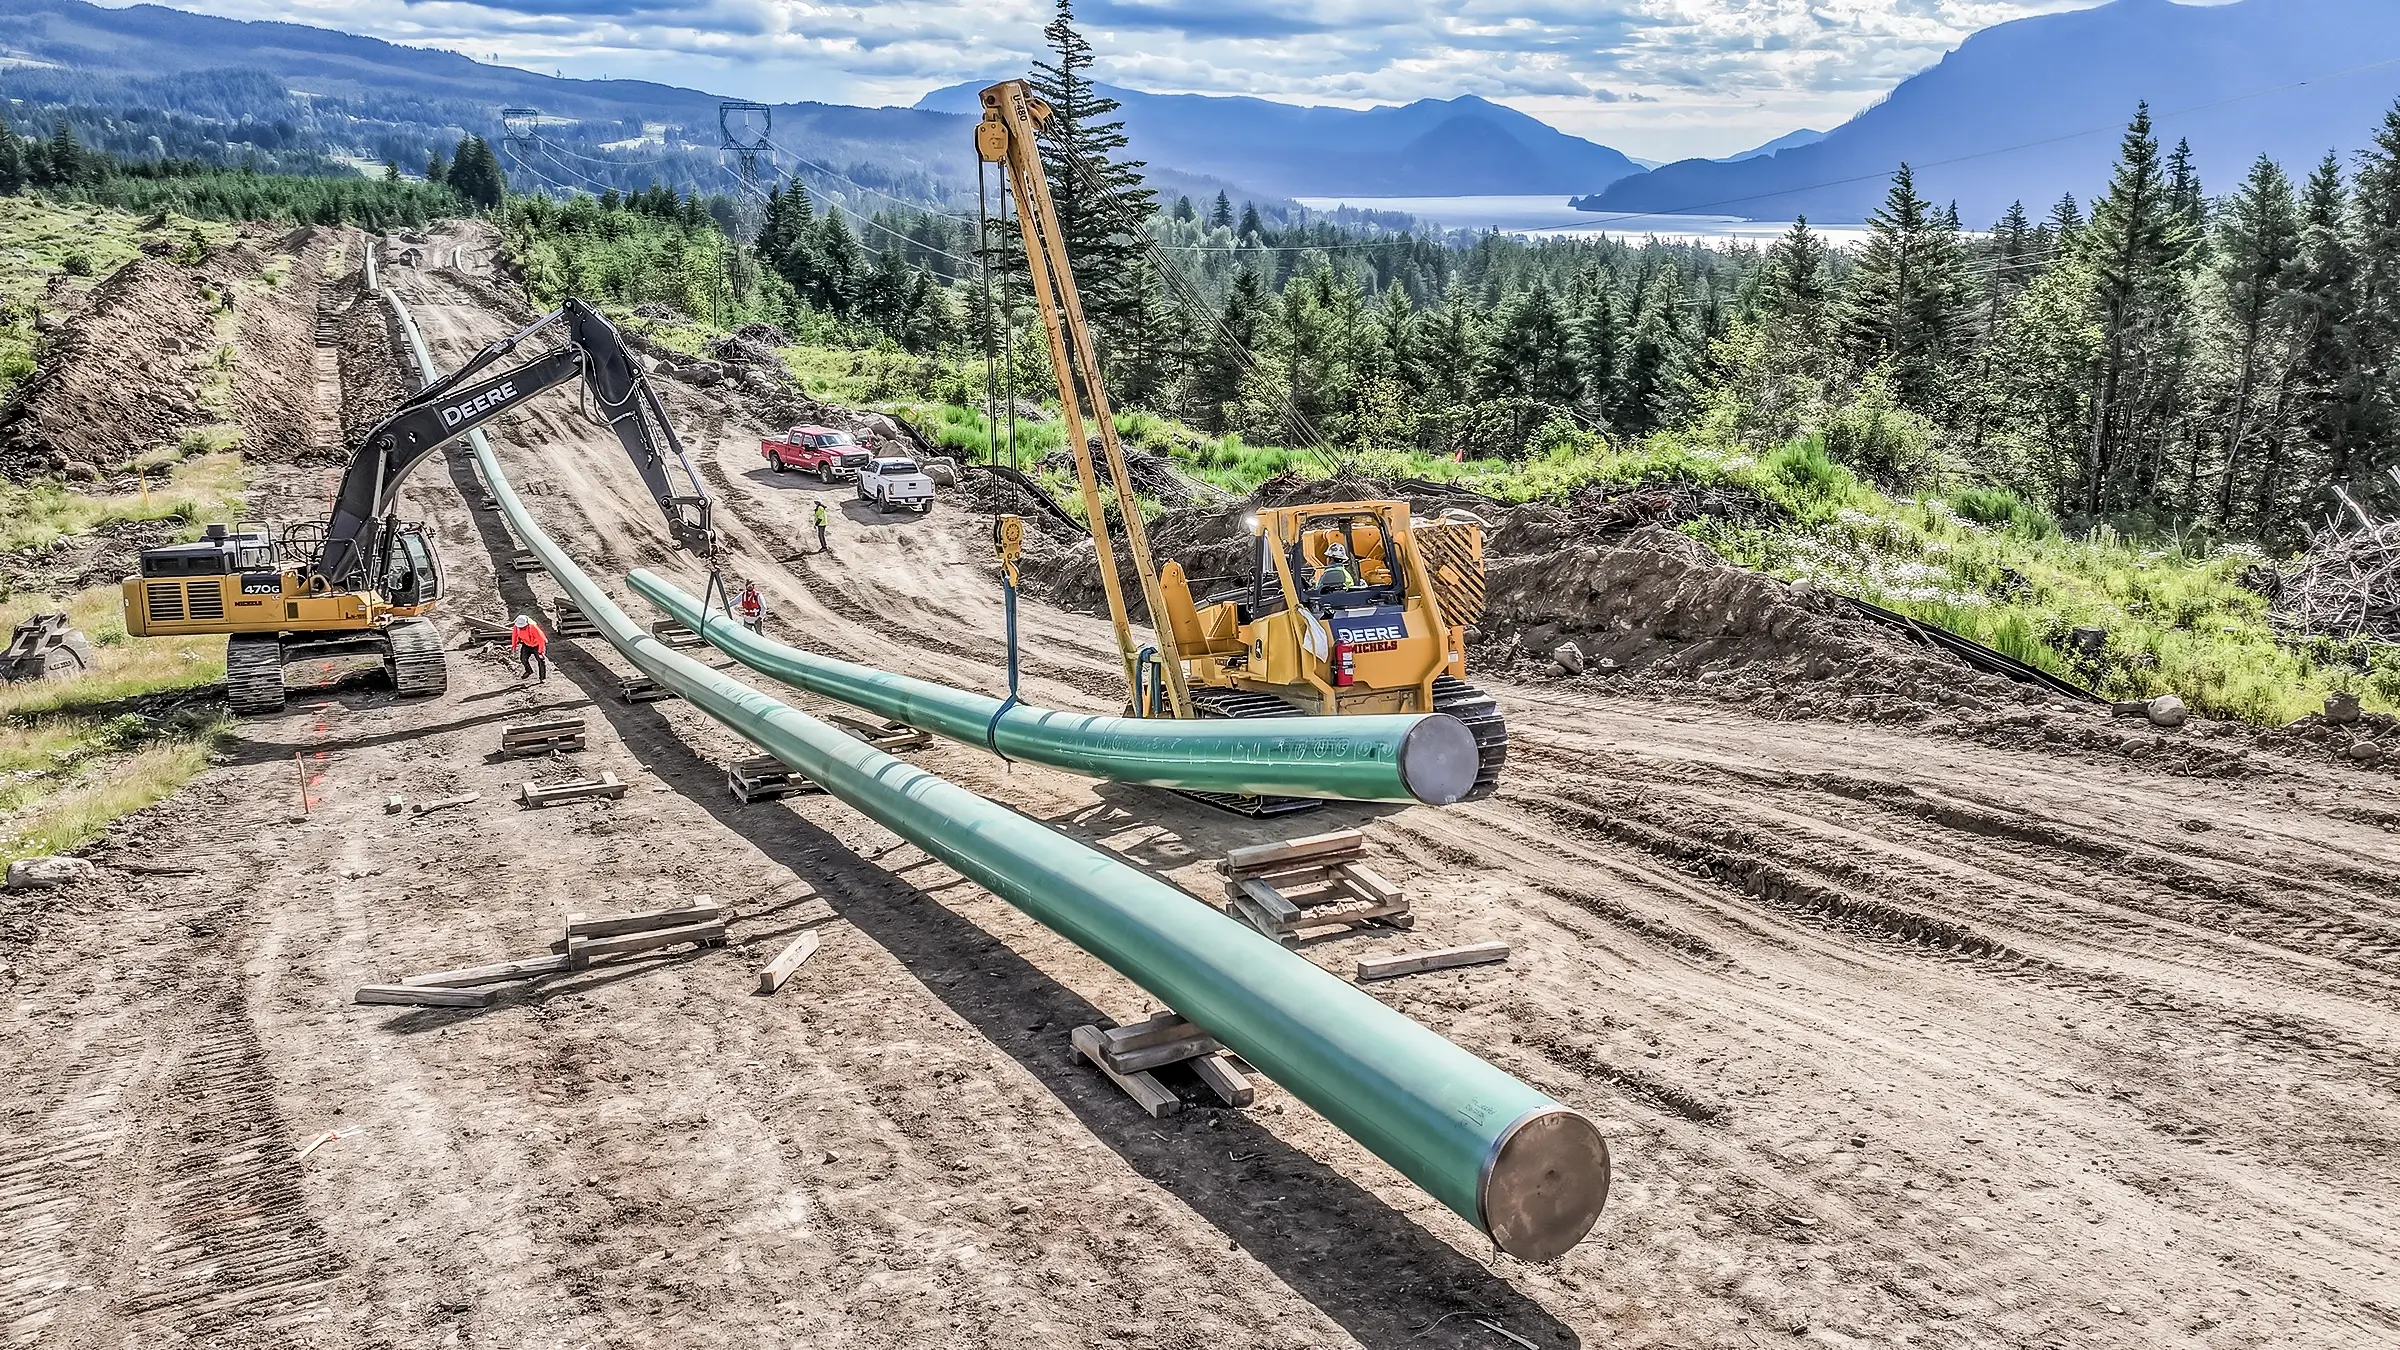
{"type": "Point", "coordinates": [1551, 216]}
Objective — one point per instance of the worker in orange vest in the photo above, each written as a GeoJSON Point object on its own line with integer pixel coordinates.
{"type": "Point", "coordinates": [752, 609]}
{"type": "Point", "coordinates": [531, 647]}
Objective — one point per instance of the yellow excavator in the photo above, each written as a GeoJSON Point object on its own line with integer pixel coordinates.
{"type": "Point", "coordinates": [1349, 607]}
{"type": "Point", "coordinates": [358, 585]}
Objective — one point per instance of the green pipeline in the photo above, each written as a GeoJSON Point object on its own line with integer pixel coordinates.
{"type": "Point", "coordinates": [1522, 1168]}
{"type": "Point", "coordinates": [1395, 758]}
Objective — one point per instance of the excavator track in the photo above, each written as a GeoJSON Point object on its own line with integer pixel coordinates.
{"type": "Point", "coordinates": [254, 674]}
{"type": "Point", "coordinates": [1481, 712]}
{"type": "Point", "coordinates": [1244, 703]}
{"type": "Point", "coordinates": [418, 667]}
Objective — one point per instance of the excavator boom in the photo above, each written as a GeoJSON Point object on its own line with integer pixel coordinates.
{"type": "Point", "coordinates": [449, 408]}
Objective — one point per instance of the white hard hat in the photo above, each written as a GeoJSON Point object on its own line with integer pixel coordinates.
{"type": "Point", "coordinates": [522, 621]}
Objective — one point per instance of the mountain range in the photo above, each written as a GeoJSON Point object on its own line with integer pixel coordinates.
{"type": "Point", "coordinates": [2025, 110]}
{"type": "Point", "coordinates": [1430, 148]}
{"type": "Point", "coordinates": [2031, 109]}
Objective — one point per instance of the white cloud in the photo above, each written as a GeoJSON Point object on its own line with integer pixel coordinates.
{"type": "Point", "coordinates": [1658, 78]}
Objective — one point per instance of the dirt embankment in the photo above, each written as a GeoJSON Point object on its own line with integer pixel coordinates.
{"type": "Point", "coordinates": [1648, 609]}
{"type": "Point", "coordinates": [166, 346]}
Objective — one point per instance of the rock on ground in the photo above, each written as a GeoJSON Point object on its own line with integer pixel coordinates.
{"type": "Point", "coordinates": [38, 874]}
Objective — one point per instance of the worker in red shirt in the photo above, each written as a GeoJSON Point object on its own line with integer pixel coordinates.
{"type": "Point", "coordinates": [532, 649]}
{"type": "Point", "coordinates": [752, 609]}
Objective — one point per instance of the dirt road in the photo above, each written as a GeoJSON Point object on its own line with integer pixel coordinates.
{"type": "Point", "coordinates": [1898, 1040]}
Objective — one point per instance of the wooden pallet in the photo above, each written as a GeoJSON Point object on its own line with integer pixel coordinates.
{"type": "Point", "coordinates": [486, 630]}
{"type": "Point", "coordinates": [884, 734]}
{"type": "Point", "coordinates": [1286, 888]}
{"type": "Point", "coordinates": [525, 561]}
{"type": "Point", "coordinates": [643, 689]}
{"type": "Point", "coordinates": [555, 735]}
{"type": "Point", "coordinates": [764, 778]}
{"type": "Point", "coordinates": [572, 621]}
{"type": "Point", "coordinates": [674, 634]}
{"type": "Point", "coordinates": [538, 795]}
{"type": "Point", "coordinates": [1128, 1055]}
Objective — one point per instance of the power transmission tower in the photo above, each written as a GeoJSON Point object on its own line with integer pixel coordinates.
{"type": "Point", "coordinates": [520, 128]}
{"type": "Point", "coordinates": [746, 128]}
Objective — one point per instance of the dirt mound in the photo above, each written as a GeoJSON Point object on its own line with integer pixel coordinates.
{"type": "Point", "coordinates": [365, 336]}
{"type": "Point", "coordinates": [164, 347]}
{"type": "Point", "coordinates": [120, 379]}
{"type": "Point", "coordinates": [274, 385]}
{"type": "Point", "coordinates": [2315, 737]}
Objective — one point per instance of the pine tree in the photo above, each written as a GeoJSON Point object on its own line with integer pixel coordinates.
{"type": "Point", "coordinates": [1183, 208]}
{"type": "Point", "coordinates": [839, 269]}
{"type": "Point", "coordinates": [1654, 359]}
{"type": "Point", "coordinates": [1217, 375]}
{"type": "Point", "coordinates": [2324, 376]}
{"type": "Point", "coordinates": [1529, 361]}
{"type": "Point", "coordinates": [1600, 349]}
{"type": "Point", "coordinates": [1103, 205]}
{"type": "Point", "coordinates": [1220, 216]}
{"type": "Point", "coordinates": [2139, 242]}
{"type": "Point", "coordinates": [12, 160]}
{"type": "Point", "coordinates": [2060, 229]}
{"type": "Point", "coordinates": [1797, 284]}
{"type": "Point", "coordinates": [1908, 297]}
{"type": "Point", "coordinates": [2258, 249]}
{"type": "Point", "coordinates": [2375, 216]}
{"type": "Point", "coordinates": [1252, 227]}
{"type": "Point", "coordinates": [437, 171]}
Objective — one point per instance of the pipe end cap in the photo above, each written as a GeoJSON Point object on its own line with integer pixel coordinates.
{"type": "Point", "coordinates": [1546, 1184]}
{"type": "Point", "coordinates": [1438, 760]}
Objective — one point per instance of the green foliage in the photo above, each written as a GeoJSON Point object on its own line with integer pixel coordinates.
{"type": "Point", "coordinates": [2004, 510]}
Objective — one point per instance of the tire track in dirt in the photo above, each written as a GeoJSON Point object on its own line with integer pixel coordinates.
{"type": "Point", "coordinates": [1745, 862]}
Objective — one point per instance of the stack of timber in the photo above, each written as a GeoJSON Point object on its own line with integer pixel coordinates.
{"type": "Point", "coordinates": [701, 923]}
{"type": "Point", "coordinates": [1317, 881]}
{"type": "Point", "coordinates": [573, 622]}
{"type": "Point", "coordinates": [553, 735]}
{"type": "Point", "coordinates": [764, 778]}
{"type": "Point", "coordinates": [643, 689]}
{"type": "Point", "coordinates": [485, 630]}
{"type": "Point", "coordinates": [1130, 1054]}
{"type": "Point", "coordinates": [675, 635]}
{"type": "Point", "coordinates": [538, 795]}
{"type": "Point", "coordinates": [526, 562]}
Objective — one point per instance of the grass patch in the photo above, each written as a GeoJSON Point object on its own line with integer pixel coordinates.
{"type": "Point", "coordinates": [206, 486]}
{"type": "Point", "coordinates": [69, 764]}
{"type": "Point", "coordinates": [82, 811]}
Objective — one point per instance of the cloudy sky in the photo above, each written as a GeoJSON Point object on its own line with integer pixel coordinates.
{"type": "Point", "coordinates": [1660, 79]}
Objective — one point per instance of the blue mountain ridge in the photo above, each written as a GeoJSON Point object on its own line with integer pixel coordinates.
{"type": "Point", "coordinates": [1433, 147]}
{"type": "Point", "coordinates": [2035, 107]}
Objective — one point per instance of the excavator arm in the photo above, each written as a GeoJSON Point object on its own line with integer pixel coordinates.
{"type": "Point", "coordinates": [451, 407]}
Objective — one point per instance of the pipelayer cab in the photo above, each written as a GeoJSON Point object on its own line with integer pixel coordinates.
{"type": "Point", "coordinates": [1351, 608]}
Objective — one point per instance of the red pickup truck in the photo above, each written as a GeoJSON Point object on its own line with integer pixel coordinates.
{"type": "Point", "coordinates": [823, 451]}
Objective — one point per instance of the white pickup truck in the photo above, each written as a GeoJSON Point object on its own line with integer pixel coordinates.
{"type": "Point", "coordinates": [891, 483]}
